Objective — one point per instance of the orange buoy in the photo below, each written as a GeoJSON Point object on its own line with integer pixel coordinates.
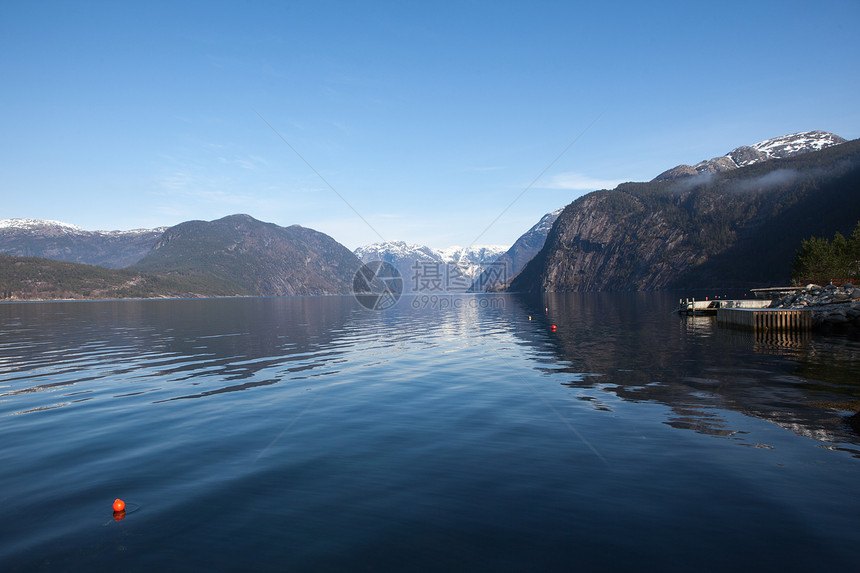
{"type": "Point", "coordinates": [118, 505]}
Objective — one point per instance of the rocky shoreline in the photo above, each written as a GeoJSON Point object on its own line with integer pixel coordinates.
{"type": "Point", "coordinates": [830, 304]}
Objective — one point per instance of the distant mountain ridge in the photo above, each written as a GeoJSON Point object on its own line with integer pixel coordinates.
{"type": "Point", "coordinates": [776, 148]}
{"type": "Point", "coordinates": [46, 224]}
{"type": "Point", "coordinates": [737, 223]}
{"type": "Point", "coordinates": [457, 267]}
{"type": "Point", "coordinates": [233, 256]}
{"type": "Point", "coordinates": [65, 242]}
{"type": "Point", "coordinates": [238, 254]}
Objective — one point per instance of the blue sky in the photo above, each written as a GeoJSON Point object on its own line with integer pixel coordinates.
{"type": "Point", "coordinates": [427, 119]}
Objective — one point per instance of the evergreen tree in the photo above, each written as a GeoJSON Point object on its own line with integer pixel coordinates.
{"type": "Point", "coordinates": [822, 261]}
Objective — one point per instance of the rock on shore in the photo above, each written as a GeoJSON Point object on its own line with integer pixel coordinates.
{"type": "Point", "coordinates": [830, 304]}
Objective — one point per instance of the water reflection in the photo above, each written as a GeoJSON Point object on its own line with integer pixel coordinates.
{"type": "Point", "coordinates": [792, 344]}
{"type": "Point", "coordinates": [172, 349]}
{"type": "Point", "coordinates": [629, 346]}
{"type": "Point", "coordinates": [318, 434]}
{"type": "Point", "coordinates": [635, 348]}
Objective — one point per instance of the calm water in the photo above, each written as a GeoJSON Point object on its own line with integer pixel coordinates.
{"type": "Point", "coordinates": [310, 434]}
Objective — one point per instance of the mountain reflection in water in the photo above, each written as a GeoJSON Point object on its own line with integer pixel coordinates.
{"type": "Point", "coordinates": [633, 347]}
{"type": "Point", "coordinates": [447, 434]}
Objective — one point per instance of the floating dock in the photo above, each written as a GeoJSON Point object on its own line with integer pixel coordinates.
{"type": "Point", "coordinates": [712, 306]}
{"type": "Point", "coordinates": [766, 319]}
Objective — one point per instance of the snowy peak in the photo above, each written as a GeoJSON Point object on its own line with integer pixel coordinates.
{"type": "Point", "coordinates": [132, 232]}
{"type": "Point", "coordinates": [65, 242]}
{"type": "Point", "coordinates": [803, 142]}
{"type": "Point", "coordinates": [512, 261]}
{"type": "Point", "coordinates": [418, 263]}
{"type": "Point", "coordinates": [475, 255]}
{"type": "Point", "coordinates": [545, 224]}
{"type": "Point", "coordinates": [391, 251]}
{"type": "Point", "coordinates": [33, 224]}
{"type": "Point", "coordinates": [776, 148]}
{"type": "Point", "coordinates": [43, 226]}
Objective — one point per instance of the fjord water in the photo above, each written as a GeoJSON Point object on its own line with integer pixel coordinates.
{"type": "Point", "coordinates": [443, 434]}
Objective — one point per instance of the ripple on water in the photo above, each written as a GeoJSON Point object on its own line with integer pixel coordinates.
{"type": "Point", "coordinates": [314, 434]}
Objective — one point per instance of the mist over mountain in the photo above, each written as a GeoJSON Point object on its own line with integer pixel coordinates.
{"type": "Point", "coordinates": [734, 228]}
{"type": "Point", "coordinates": [775, 148]}
{"type": "Point", "coordinates": [734, 220]}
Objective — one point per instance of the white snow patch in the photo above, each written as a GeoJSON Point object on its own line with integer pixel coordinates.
{"type": "Point", "coordinates": [43, 224]}
{"type": "Point", "coordinates": [791, 144]}
{"type": "Point", "coordinates": [133, 231]}
{"type": "Point", "coordinates": [37, 223]}
{"type": "Point", "coordinates": [470, 260]}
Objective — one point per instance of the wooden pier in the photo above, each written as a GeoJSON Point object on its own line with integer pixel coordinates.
{"type": "Point", "coordinates": [766, 319]}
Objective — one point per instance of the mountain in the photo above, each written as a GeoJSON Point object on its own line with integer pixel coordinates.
{"type": "Point", "coordinates": [241, 255]}
{"type": "Point", "coordinates": [33, 278]}
{"type": "Point", "coordinates": [471, 261]}
{"type": "Point", "coordinates": [776, 148]}
{"type": "Point", "coordinates": [65, 242]}
{"type": "Point", "coordinates": [404, 257]}
{"type": "Point", "coordinates": [425, 269]}
{"type": "Point", "coordinates": [735, 228]}
{"type": "Point", "coordinates": [512, 261]}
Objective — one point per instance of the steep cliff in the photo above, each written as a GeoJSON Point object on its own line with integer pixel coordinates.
{"type": "Point", "coordinates": [512, 261]}
{"type": "Point", "coordinates": [734, 228]}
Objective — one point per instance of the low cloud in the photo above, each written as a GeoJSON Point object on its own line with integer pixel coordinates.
{"type": "Point", "coordinates": [768, 180]}
{"type": "Point", "coordinates": [573, 181]}
{"type": "Point", "coordinates": [685, 184]}
{"type": "Point", "coordinates": [773, 179]}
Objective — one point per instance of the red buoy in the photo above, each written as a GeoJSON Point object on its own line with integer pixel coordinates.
{"type": "Point", "coordinates": [118, 505]}
{"type": "Point", "coordinates": [553, 328]}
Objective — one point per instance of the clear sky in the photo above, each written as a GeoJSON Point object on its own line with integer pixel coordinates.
{"type": "Point", "coordinates": [428, 119]}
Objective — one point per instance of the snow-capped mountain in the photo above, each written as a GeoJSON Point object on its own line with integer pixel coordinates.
{"type": "Point", "coordinates": [425, 269]}
{"type": "Point", "coordinates": [509, 264]}
{"type": "Point", "coordinates": [66, 242]}
{"type": "Point", "coordinates": [776, 148]}
{"type": "Point", "coordinates": [796, 143]}
{"type": "Point", "coordinates": [543, 226]}
{"type": "Point", "coordinates": [469, 258]}
{"type": "Point", "coordinates": [40, 224]}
